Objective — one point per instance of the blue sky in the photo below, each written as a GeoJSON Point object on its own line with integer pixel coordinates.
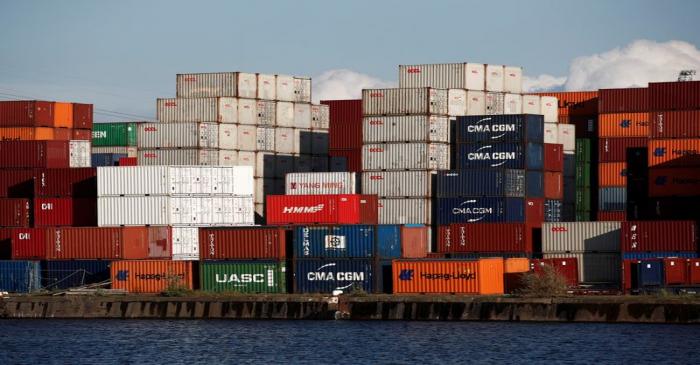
{"type": "Point", "coordinates": [121, 55]}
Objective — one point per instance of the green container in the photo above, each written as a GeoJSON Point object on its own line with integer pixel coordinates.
{"type": "Point", "coordinates": [583, 150]}
{"type": "Point", "coordinates": [114, 134]}
{"type": "Point", "coordinates": [583, 175]}
{"type": "Point", "coordinates": [583, 216]}
{"type": "Point", "coordinates": [243, 276]}
{"type": "Point", "coordinates": [583, 199]}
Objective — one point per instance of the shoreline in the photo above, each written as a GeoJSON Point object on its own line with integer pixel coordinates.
{"type": "Point", "coordinates": [603, 309]}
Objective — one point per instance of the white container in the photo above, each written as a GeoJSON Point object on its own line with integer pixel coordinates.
{"type": "Point", "coordinates": [406, 128]}
{"type": "Point", "coordinates": [513, 79]}
{"type": "Point", "coordinates": [531, 104]}
{"type": "Point", "coordinates": [513, 104]}
{"type": "Point", "coordinates": [189, 156]}
{"type": "Point", "coordinates": [551, 133]}
{"type": "Point", "coordinates": [267, 87]}
{"type": "Point", "coordinates": [185, 243]}
{"type": "Point", "coordinates": [247, 111]}
{"type": "Point", "coordinates": [80, 154]}
{"type": "Point", "coordinates": [216, 84]}
{"type": "Point", "coordinates": [178, 135]}
{"type": "Point", "coordinates": [264, 187]}
{"type": "Point", "coordinates": [404, 211]}
{"type": "Point", "coordinates": [549, 107]}
{"type": "Point", "coordinates": [302, 89]}
{"type": "Point", "coordinates": [228, 158]}
{"type": "Point", "coordinates": [266, 113]}
{"type": "Point", "coordinates": [404, 101]}
{"type": "Point", "coordinates": [581, 236]}
{"type": "Point", "coordinates": [247, 138]}
{"type": "Point", "coordinates": [405, 156]}
{"type": "Point", "coordinates": [285, 141]}
{"type": "Point", "coordinates": [319, 143]}
{"type": "Point", "coordinates": [443, 75]}
{"type": "Point", "coordinates": [398, 183]}
{"type": "Point", "coordinates": [284, 164]}
{"type": "Point", "coordinates": [303, 163]}
{"type": "Point", "coordinates": [228, 136]}
{"type": "Point", "coordinates": [456, 102]}
{"type": "Point", "coordinates": [476, 102]}
{"type": "Point", "coordinates": [320, 183]}
{"type": "Point", "coordinates": [128, 151]}
{"type": "Point", "coordinates": [567, 136]}
{"type": "Point", "coordinates": [265, 139]}
{"type": "Point", "coordinates": [594, 268]}
{"type": "Point", "coordinates": [320, 116]}
{"type": "Point", "coordinates": [321, 164]}
{"type": "Point", "coordinates": [495, 80]}
{"type": "Point", "coordinates": [495, 103]}
{"type": "Point", "coordinates": [174, 180]}
{"type": "Point", "coordinates": [285, 88]}
{"type": "Point", "coordinates": [302, 115]}
{"type": "Point", "coordinates": [214, 110]}
{"type": "Point", "coordinates": [285, 114]}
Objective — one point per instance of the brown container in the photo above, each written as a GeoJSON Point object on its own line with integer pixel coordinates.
{"type": "Point", "coordinates": [15, 212]}
{"type": "Point", "coordinates": [82, 116]}
{"type": "Point", "coordinates": [242, 243]}
{"type": "Point", "coordinates": [674, 152]}
{"type": "Point", "coordinates": [483, 276]}
{"type": "Point", "coordinates": [553, 157]}
{"type": "Point", "coordinates": [568, 267]}
{"type": "Point", "coordinates": [345, 124]}
{"type": "Point", "coordinates": [82, 134]}
{"type": "Point", "coordinates": [615, 149]}
{"type": "Point", "coordinates": [415, 242]}
{"type": "Point", "coordinates": [629, 100]}
{"type": "Point", "coordinates": [678, 181]}
{"type": "Point", "coordinates": [484, 237]}
{"type": "Point", "coordinates": [26, 114]}
{"type": "Point", "coordinates": [151, 276]}
{"type": "Point", "coordinates": [623, 125]}
{"type": "Point", "coordinates": [675, 124]}
{"type": "Point", "coordinates": [575, 102]}
{"type": "Point", "coordinates": [108, 243]}
{"type": "Point", "coordinates": [611, 216]}
{"type": "Point", "coordinates": [659, 236]}
{"type": "Point", "coordinates": [612, 174]}
{"type": "Point", "coordinates": [63, 115]}
{"type": "Point", "coordinates": [22, 154]}
{"type": "Point", "coordinates": [674, 95]}
{"type": "Point", "coordinates": [553, 185]}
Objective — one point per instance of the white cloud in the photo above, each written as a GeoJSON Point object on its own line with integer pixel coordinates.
{"type": "Point", "coordinates": [344, 84]}
{"type": "Point", "coordinates": [636, 64]}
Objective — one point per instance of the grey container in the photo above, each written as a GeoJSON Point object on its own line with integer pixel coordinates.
{"type": "Point", "coordinates": [594, 268]}
{"type": "Point", "coordinates": [178, 135]}
{"type": "Point", "coordinates": [581, 237]}
{"type": "Point", "coordinates": [612, 199]}
{"type": "Point", "coordinates": [404, 101]}
{"type": "Point", "coordinates": [405, 211]}
{"type": "Point", "coordinates": [398, 183]}
{"type": "Point", "coordinates": [150, 157]}
{"type": "Point", "coordinates": [216, 84]}
{"type": "Point", "coordinates": [320, 116]}
{"type": "Point", "coordinates": [495, 103]}
{"type": "Point", "coordinates": [128, 151]}
{"type": "Point", "coordinates": [405, 156]}
{"type": "Point", "coordinates": [406, 128]}
{"type": "Point", "coordinates": [443, 75]}
{"type": "Point", "coordinates": [181, 110]}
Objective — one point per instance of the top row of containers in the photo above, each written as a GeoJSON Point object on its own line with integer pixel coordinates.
{"type": "Point", "coordinates": [659, 96]}
{"type": "Point", "coordinates": [45, 114]}
{"type": "Point", "coordinates": [244, 85]}
{"type": "Point", "coordinates": [470, 76]}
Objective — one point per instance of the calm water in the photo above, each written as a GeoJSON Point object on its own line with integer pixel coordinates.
{"type": "Point", "coordinates": [215, 342]}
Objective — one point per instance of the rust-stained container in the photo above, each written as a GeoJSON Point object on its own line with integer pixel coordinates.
{"type": "Point", "coordinates": [611, 216]}
{"type": "Point", "coordinates": [674, 95]}
{"type": "Point", "coordinates": [627, 100]}
{"type": "Point", "coordinates": [575, 102]}
{"type": "Point", "coordinates": [28, 243]}
{"type": "Point", "coordinates": [322, 209]}
{"type": "Point", "coordinates": [82, 116]}
{"type": "Point", "coordinates": [674, 152]}
{"type": "Point", "coordinates": [694, 271]}
{"type": "Point", "coordinates": [615, 149]}
{"type": "Point", "coordinates": [659, 236]}
{"type": "Point", "coordinates": [151, 276]}
{"type": "Point", "coordinates": [612, 174]}
{"type": "Point", "coordinates": [63, 115]}
{"type": "Point", "coordinates": [678, 181]}
{"type": "Point", "coordinates": [675, 124]}
{"type": "Point", "coordinates": [26, 113]}
{"type": "Point", "coordinates": [15, 212]}
{"type": "Point", "coordinates": [516, 265]}
{"type": "Point", "coordinates": [675, 271]}
{"type": "Point", "coordinates": [553, 185]}
{"type": "Point", "coordinates": [81, 134]}
{"type": "Point", "coordinates": [51, 154]}
{"type": "Point", "coordinates": [345, 126]}
{"type": "Point", "coordinates": [485, 237]}
{"type": "Point", "coordinates": [553, 157]}
{"type": "Point", "coordinates": [242, 243]}
{"type": "Point", "coordinates": [568, 267]}
{"type": "Point", "coordinates": [108, 243]}
{"type": "Point", "coordinates": [623, 125]}
{"type": "Point", "coordinates": [483, 276]}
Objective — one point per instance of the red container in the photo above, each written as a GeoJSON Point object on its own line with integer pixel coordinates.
{"type": "Point", "coordinates": [675, 271]}
{"type": "Point", "coordinates": [678, 181]}
{"type": "Point", "coordinates": [612, 174]}
{"type": "Point", "coordinates": [345, 127]}
{"type": "Point", "coordinates": [108, 243]}
{"type": "Point", "coordinates": [28, 243]}
{"type": "Point", "coordinates": [568, 267]}
{"type": "Point", "coordinates": [674, 152]}
{"type": "Point", "coordinates": [534, 212]}
{"type": "Point", "coordinates": [675, 124]}
{"type": "Point", "coordinates": [553, 185]}
{"type": "Point", "coordinates": [242, 243]}
{"type": "Point", "coordinates": [321, 209]}
{"type": "Point", "coordinates": [674, 95]}
{"type": "Point", "coordinates": [629, 100]}
{"type": "Point", "coordinates": [53, 212]}
{"type": "Point", "coordinates": [661, 236]}
{"type": "Point", "coordinates": [694, 271]}
{"type": "Point", "coordinates": [16, 183]}
{"type": "Point", "coordinates": [615, 149]}
{"type": "Point", "coordinates": [485, 237]}
{"type": "Point", "coordinates": [75, 182]}
{"type": "Point", "coordinates": [611, 216]}
{"type": "Point", "coordinates": [46, 154]}
{"type": "Point", "coordinates": [82, 116]}
{"type": "Point", "coordinates": [353, 157]}
{"type": "Point", "coordinates": [626, 275]}
{"type": "Point", "coordinates": [128, 161]}
{"type": "Point", "coordinates": [82, 134]}
{"type": "Point", "coordinates": [576, 102]}
{"type": "Point", "coordinates": [553, 157]}
{"type": "Point", "coordinates": [15, 212]}
{"type": "Point", "coordinates": [26, 114]}
{"type": "Point", "coordinates": [415, 242]}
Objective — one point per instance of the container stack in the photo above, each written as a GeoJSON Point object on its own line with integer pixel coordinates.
{"type": "Point", "coordinates": [585, 181]}
{"type": "Point", "coordinates": [345, 135]}
{"type": "Point", "coordinates": [44, 121]}
{"type": "Point", "coordinates": [114, 142]}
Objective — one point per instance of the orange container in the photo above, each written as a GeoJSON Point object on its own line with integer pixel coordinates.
{"type": "Point", "coordinates": [35, 134]}
{"type": "Point", "coordinates": [623, 125]}
{"type": "Point", "coordinates": [63, 115]}
{"type": "Point", "coordinates": [674, 152]}
{"type": "Point", "coordinates": [516, 265]}
{"type": "Point", "coordinates": [483, 276]}
{"type": "Point", "coordinates": [612, 174]}
{"type": "Point", "coordinates": [150, 276]}
{"type": "Point", "coordinates": [553, 185]}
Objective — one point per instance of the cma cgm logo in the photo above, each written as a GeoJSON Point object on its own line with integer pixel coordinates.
{"type": "Point", "coordinates": [406, 274]}
{"type": "Point", "coordinates": [122, 275]}
{"type": "Point", "coordinates": [483, 154]}
{"type": "Point", "coordinates": [465, 208]}
{"type": "Point", "coordinates": [413, 70]}
{"type": "Point", "coordinates": [559, 229]}
{"type": "Point", "coordinates": [488, 128]}
{"type": "Point", "coordinates": [660, 152]}
{"type": "Point", "coordinates": [321, 275]}
{"type": "Point", "coordinates": [311, 209]}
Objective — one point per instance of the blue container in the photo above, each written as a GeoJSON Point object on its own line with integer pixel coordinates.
{"type": "Point", "coordinates": [569, 190]}
{"type": "Point", "coordinates": [334, 241]}
{"type": "Point", "coordinates": [19, 276]}
{"type": "Point", "coordinates": [650, 273]}
{"type": "Point", "coordinates": [389, 241]}
{"type": "Point", "coordinates": [480, 209]}
{"type": "Point", "coordinates": [534, 184]}
{"type": "Point", "coordinates": [325, 276]}
{"type": "Point", "coordinates": [569, 165]}
{"type": "Point", "coordinates": [486, 182]}
{"type": "Point", "coordinates": [384, 277]}
{"type": "Point", "coordinates": [656, 255]}
{"type": "Point", "coordinates": [553, 210]}
{"type": "Point", "coordinates": [106, 159]}
{"type": "Point", "coordinates": [612, 199]}
{"type": "Point", "coordinates": [66, 274]}
{"type": "Point", "coordinates": [500, 128]}
{"type": "Point", "coordinates": [568, 213]}
{"type": "Point", "coordinates": [512, 155]}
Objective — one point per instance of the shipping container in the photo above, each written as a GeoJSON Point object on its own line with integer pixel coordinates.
{"type": "Point", "coordinates": [245, 243]}
{"type": "Point", "coordinates": [594, 268]}
{"type": "Point", "coordinates": [320, 116]}
{"type": "Point", "coordinates": [320, 183]}
{"type": "Point", "coordinates": [405, 211]}
{"type": "Point", "coordinates": [612, 174]}
{"type": "Point", "coordinates": [553, 185]}
{"type": "Point", "coordinates": [345, 127]}
{"type": "Point", "coordinates": [528, 156]}
{"type": "Point", "coordinates": [405, 156]}
{"type": "Point", "coordinates": [624, 125]}
{"type": "Point", "coordinates": [257, 112]}
{"type": "Point", "coordinates": [344, 241]}
{"type": "Point", "coordinates": [28, 243]}
{"type": "Point", "coordinates": [554, 157]}
{"type": "Point", "coordinates": [302, 89]}
{"type": "Point", "coordinates": [516, 265]}
{"type": "Point", "coordinates": [32, 113]}
{"type": "Point", "coordinates": [151, 276]}
{"type": "Point", "coordinates": [404, 101]}
{"type": "Point", "coordinates": [575, 103]}
{"type": "Point", "coordinates": [679, 181]}
{"type": "Point", "coordinates": [469, 76]}
{"type": "Point", "coordinates": [129, 151]}
{"type": "Point", "coordinates": [675, 271]}
{"type": "Point", "coordinates": [500, 128]}
{"type": "Point", "coordinates": [483, 277]}
{"type": "Point", "coordinates": [35, 134]}
{"type": "Point", "coordinates": [674, 152]}
{"type": "Point", "coordinates": [584, 150]}
{"type": "Point", "coordinates": [612, 198]}
{"type": "Point", "coordinates": [480, 209]}
{"type": "Point", "coordinates": [549, 108]}
{"type": "Point", "coordinates": [15, 212]}
{"type": "Point", "coordinates": [17, 183]}
{"type": "Point", "coordinates": [615, 149]}
{"type": "Point", "coordinates": [105, 159]}
{"type": "Point", "coordinates": [495, 80]}
{"type": "Point", "coordinates": [42, 154]}
{"type": "Point", "coordinates": [674, 95]}
{"type": "Point", "coordinates": [406, 128]}
{"type": "Point", "coordinates": [284, 114]}
{"type": "Point", "coordinates": [82, 116]}
{"type": "Point", "coordinates": [114, 134]}
{"type": "Point", "coordinates": [62, 115]}
{"type": "Point", "coordinates": [675, 124]}
{"type": "Point", "coordinates": [267, 87]}
{"type": "Point", "coordinates": [694, 271]}
{"type": "Point", "coordinates": [567, 266]}
{"type": "Point", "coordinates": [580, 236]}
{"type": "Point", "coordinates": [181, 110]}
{"type": "Point", "coordinates": [185, 243]}
{"type": "Point", "coordinates": [553, 211]}
{"type": "Point", "coordinates": [216, 84]}
{"type": "Point", "coordinates": [655, 255]}
{"type": "Point", "coordinates": [490, 182]}
{"type": "Point", "coordinates": [513, 79]}
{"type": "Point", "coordinates": [669, 236]}
{"type": "Point", "coordinates": [611, 216]}
{"type": "Point", "coordinates": [75, 182]}
{"type": "Point", "coordinates": [583, 175]}
{"type": "Point", "coordinates": [81, 134]}
{"type": "Point", "coordinates": [398, 183]}
{"type": "Point", "coordinates": [320, 209]}
{"type": "Point", "coordinates": [328, 276]}
{"type": "Point", "coordinates": [584, 199]}
{"type": "Point", "coordinates": [20, 276]}
{"type": "Point", "coordinates": [627, 100]}
{"type": "Point", "coordinates": [154, 157]}
{"type": "Point", "coordinates": [486, 237]}
{"type": "Point", "coordinates": [352, 158]}
{"type": "Point", "coordinates": [586, 125]}
{"type": "Point", "coordinates": [53, 212]}
{"type": "Point", "coordinates": [414, 241]}
{"type": "Point", "coordinates": [513, 104]}
{"type": "Point", "coordinates": [243, 276]}
{"type": "Point", "coordinates": [302, 115]}
{"type": "Point", "coordinates": [66, 274]}
{"type": "Point", "coordinates": [178, 135]}
{"type": "Point", "coordinates": [495, 103]}
{"type": "Point", "coordinates": [566, 136]}
{"type": "Point", "coordinates": [457, 102]}
{"type": "Point", "coordinates": [531, 104]}
{"type": "Point", "coordinates": [284, 88]}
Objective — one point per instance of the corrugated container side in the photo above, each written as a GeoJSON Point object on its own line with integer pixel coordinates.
{"type": "Point", "coordinates": [202, 85]}
{"type": "Point", "coordinates": [480, 209]}
{"type": "Point", "coordinates": [319, 209]}
{"type": "Point", "coordinates": [567, 266]}
{"type": "Point", "coordinates": [82, 116]}
{"type": "Point", "coordinates": [20, 276]}
{"type": "Point", "coordinates": [612, 198]}
{"type": "Point", "coordinates": [489, 182]}
{"type": "Point", "coordinates": [242, 243]}
{"type": "Point", "coordinates": [114, 134]}
{"type": "Point", "coordinates": [624, 125]}
{"type": "Point", "coordinates": [615, 149]}
{"type": "Point", "coordinates": [151, 276]}
{"type": "Point", "coordinates": [674, 152]}
{"type": "Point", "coordinates": [628, 100]}
{"type": "Point", "coordinates": [594, 268]}
{"type": "Point", "coordinates": [484, 276]}
{"type": "Point", "coordinates": [611, 216]}
{"type": "Point", "coordinates": [487, 237]}
{"type": "Point", "coordinates": [398, 183]}
{"type": "Point", "coordinates": [575, 102]}
{"type": "Point", "coordinates": [178, 135]}
{"type": "Point", "coordinates": [612, 174]}
{"type": "Point", "coordinates": [443, 75]}
{"type": "Point", "coordinates": [675, 124]}
{"type": "Point", "coordinates": [327, 276]}
{"type": "Point", "coordinates": [679, 181]}
{"type": "Point", "coordinates": [415, 241]}
{"type": "Point", "coordinates": [243, 276]}
{"type": "Point", "coordinates": [408, 128]}
{"type": "Point", "coordinates": [320, 183]}
{"type": "Point", "coordinates": [41, 154]}
{"type": "Point", "coordinates": [404, 101]}
{"type": "Point", "coordinates": [66, 274]}
{"type": "Point", "coordinates": [505, 155]}
{"type": "Point", "coordinates": [674, 95]}
{"type": "Point", "coordinates": [405, 156]}
{"type": "Point", "coordinates": [154, 157]}
{"type": "Point", "coordinates": [553, 157]}
{"type": "Point", "coordinates": [405, 211]}
{"type": "Point", "coordinates": [500, 128]}
{"type": "Point", "coordinates": [190, 110]}
{"type": "Point", "coordinates": [352, 159]}
{"type": "Point", "coordinates": [32, 113]}
{"type": "Point", "coordinates": [669, 236]}
{"type": "Point", "coordinates": [581, 236]}
{"type": "Point", "coordinates": [28, 243]}
{"type": "Point", "coordinates": [553, 185]}
{"type": "Point", "coordinates": [345, 124]}
{"type": "Point", "coordinates": [81, 134]}
{"type": "Point", "coordinates": [346, 241]}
